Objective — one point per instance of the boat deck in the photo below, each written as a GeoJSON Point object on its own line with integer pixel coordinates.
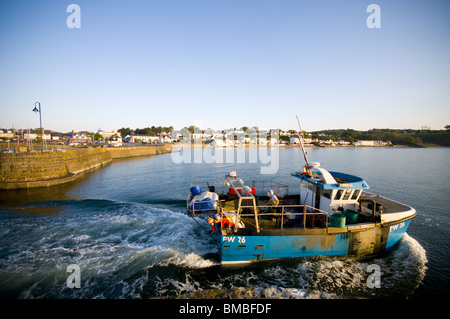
{"type": "Point", "coordinates": [311, 219]}
{"type": "Point", "coordinates": [388, 206]}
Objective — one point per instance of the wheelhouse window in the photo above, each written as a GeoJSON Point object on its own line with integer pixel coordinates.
{"type": "Point", "coordinates": [338, 194]}
{"type": "Point", "coordinates": [307, 185]}
{"type": "Point", "coordinates": [356, 194]}
{"type": "Point", "coordinates": [347, 194]}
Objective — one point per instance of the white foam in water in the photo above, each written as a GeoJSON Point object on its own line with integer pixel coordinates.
{"type": "Point", "coordinates": [317, 278]}
{"type": "Point", "coordinates": [191, 260]}
{"type": "Point", "coordinates": [402, 270]}
{"type": "Point", "coordinates": [293, 293]}
{"type": "Point", "coordinates": [405, 267]}
{"type": "Point", "coordinates": [115, 241]}
{"type": "Point", "coordinates": [132, 250]}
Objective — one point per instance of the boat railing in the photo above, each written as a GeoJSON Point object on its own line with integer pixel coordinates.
{"type": "Point", "coordinates": [211, 186]}
{"type": "Point", "coordinates": [309, 217]}
{"type": "Point", "coordinates": [372, 205]}
{"type": "Point", "coordinates": [235, 187]}
{"type": "Point", "coordinates": [303, 215]}
{"type": "Point", "coordinates": [245, 198]}
{"type": "Point", "coordinates": [262, 187]}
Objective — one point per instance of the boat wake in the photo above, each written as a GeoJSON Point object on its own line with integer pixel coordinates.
{"type": "Point", "coordinates": [114, 244]}
{"type": "Point", "coordinates": [401, 272]}
{"type": "Point", "coordinates": [129, 250]}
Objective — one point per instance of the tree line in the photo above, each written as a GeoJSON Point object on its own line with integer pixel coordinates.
{"type": "Point", "coordinates": [152, 131]}
{"type": "Point", "coordinates": [409, 137]}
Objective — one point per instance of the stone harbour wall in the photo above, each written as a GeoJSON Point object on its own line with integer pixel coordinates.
{"type": "Point", "coordinates": [36, 169]}
{"type": "Point", "coordinates": [123, 152]}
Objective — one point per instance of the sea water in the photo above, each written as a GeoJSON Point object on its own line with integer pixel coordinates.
{"type": "Point", "coordinates": [125, 229]}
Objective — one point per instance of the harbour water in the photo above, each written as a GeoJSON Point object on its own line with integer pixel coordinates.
{"type": "Point", "coordinates": [125, 227]}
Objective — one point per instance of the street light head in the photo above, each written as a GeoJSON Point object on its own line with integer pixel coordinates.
{"type": "Point", "coordinates": [35, 107]}
{"type": "Point", "coordinates": [36, 110]}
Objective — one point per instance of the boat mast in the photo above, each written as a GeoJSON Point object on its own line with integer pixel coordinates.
{"type": "Point", "coordinates": [300, 135]}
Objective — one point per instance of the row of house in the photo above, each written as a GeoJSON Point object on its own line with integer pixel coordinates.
{"type": "Point", "coordinates": [238, 137]}
{"type": "Point", "coordinates": [161, 138]}
{"type": "Point", "coordinates": [218, 137]}
{"type": "Point", "coordinates": [295, 140]}
{"type": "Point", "coordinates": [113, 138]}
{"type": "Point", "coordinates": [372, 143]}
{"type": "Point", "coordinates": [74, 139]}
{"type": "Point", "coordinates": [8, 134]}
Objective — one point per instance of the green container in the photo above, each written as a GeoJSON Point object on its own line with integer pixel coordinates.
{"type": "Point", "coordinates": [351, 215]}
{"type": "Point", "coordinates": [337, 220]}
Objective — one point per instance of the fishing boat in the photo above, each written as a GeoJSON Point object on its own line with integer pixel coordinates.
{"type": "Point", "coordinates": [332, 215]}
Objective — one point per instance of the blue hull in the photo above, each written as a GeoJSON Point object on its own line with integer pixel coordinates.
{"type": "Point", "coordinates": [396, 233]}
{"type": "Point", "coordinates": [248, 247]}
{"type": "Point", "coordinates": [255, 248]}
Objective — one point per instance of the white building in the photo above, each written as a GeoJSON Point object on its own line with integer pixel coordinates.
{"type": "Point", "coordinates": [166, 138]}
{"type": "Point", "coordinates": [365, 143]}
{"type": "Point", "coordinates": [141, 139]}
{"type": "Point", "coordinates": [34, 136]}
{"type": "Point", "coordinates": [371, 143]}
{"type": "Point", "coordinates": [107, 135]}
{"type": "Point", "coordinates": [7, 134]}
{"type": "Point", "coordinates": [79, 138]}
{"type": "Point", "coordinates": [30, 136]}
{"type": "Point", "coordinates": [115, 140]}
{"type": "Point", "coordinates": [296, 140]}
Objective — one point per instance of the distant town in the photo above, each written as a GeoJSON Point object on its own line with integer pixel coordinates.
{"type": "Point", "coordinates": [27, 140]}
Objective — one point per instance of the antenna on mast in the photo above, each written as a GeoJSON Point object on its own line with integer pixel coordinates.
{"type": "Point", "coordinates": [300, 135]}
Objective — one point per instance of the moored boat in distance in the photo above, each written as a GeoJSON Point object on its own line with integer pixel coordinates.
{"type": "Point", "coordinates": [332, 215]}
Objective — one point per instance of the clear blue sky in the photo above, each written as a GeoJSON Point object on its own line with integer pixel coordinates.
{"type": "Point", "coordinates": [225, 63]}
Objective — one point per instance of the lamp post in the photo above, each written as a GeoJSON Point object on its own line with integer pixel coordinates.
{"type": "Point", "coordinates": [40, 121]}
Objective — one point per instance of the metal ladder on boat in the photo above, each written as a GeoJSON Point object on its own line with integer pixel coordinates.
{"type": "Point", "coordinates": [239, 188]}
